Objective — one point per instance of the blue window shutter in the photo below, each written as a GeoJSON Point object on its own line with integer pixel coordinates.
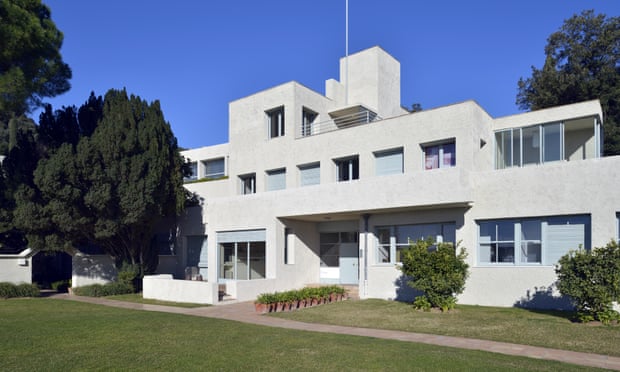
{"type": "Point", "coordinates": [276, 180]}
{"type": "Point", "coordinates": [389, 162]}
{"type": "Point", "coordinates": [241, 236]}
{"type": "Point", "coordinates": [310, 175]}
{"type": "Point", "coordinates": [214, 168]}
{"type": "Point", "coordinates": [562, 238]}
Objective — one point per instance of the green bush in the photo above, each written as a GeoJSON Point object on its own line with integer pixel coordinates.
{"type": "Point", "coordinates": [27, 290]}
{"type": "Point", "coordinates": [592, 280]}
{"type": "Point", "coordinates": [101, 290]}
{"type": "Point", "coordinates": [10, 290]}
{"type": "Point", "coordinates": [61, 285]}
{"type": "Point", "coordinates": [128, 273]}
{"type": "Point", "coordinates": [421, 303]}
{"type": "Point", "coordinates": [437, 270]}
{"type": "Point", "coordinates": [323, 292]}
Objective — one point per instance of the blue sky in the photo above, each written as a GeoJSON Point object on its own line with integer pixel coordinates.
{"type": "Point", "coordinates": [196, 56]}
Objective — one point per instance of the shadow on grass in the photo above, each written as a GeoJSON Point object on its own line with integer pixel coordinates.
{"type": "Point", "coordinates": [543, 301]}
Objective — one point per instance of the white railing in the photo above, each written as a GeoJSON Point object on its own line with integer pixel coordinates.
{"type": "Point", "coordinates": [341, 122]}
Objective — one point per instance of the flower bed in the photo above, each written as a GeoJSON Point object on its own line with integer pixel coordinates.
{"type": "Point", "coordinates": [299, 299]}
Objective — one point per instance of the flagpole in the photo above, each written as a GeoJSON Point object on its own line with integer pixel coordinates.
{"type": "Point", "coordinates": [346, 58]}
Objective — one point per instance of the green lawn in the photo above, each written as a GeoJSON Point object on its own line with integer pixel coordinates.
{"type": "Point", "coordinates": [137, 298]}
{"type": "Point", "coordinates": [60, 335]}
{"type": "Point", "coordinates": [538, 328]}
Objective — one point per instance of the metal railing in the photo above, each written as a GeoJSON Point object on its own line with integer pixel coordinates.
{"type": "Point", "coordinates": [341, 122]}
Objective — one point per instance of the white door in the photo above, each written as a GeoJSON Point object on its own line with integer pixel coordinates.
{"type": "Point", "coordinates": [349, 263]}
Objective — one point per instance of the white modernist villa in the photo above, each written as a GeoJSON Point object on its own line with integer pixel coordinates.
{"type": "Point", "coordinates": [329, 188]}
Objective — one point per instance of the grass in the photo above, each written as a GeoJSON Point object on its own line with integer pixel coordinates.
{"type": "Point", "coordinates": [537, 328]}
{"type": "Point", "coordinates": [137, 298]}
{"type": "Point", "coordinates": [58, 335]}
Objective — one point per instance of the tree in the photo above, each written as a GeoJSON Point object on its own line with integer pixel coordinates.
{"type": "Point", "coordinates": [16, 170]}
{"type": "Point", "coordinates": [26, 145]}
{"type": "Point", "coordinates": [109, 190]}
{"type": "Point", "coordinates": [31, 67]}
{"type": "Point", "coordinates": [582, 63]}
{"type": "Point", "coordinates": [437, 270]}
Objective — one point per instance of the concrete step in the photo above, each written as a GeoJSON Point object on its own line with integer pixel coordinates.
{"type": "Point", "coordinates": [352, 291]}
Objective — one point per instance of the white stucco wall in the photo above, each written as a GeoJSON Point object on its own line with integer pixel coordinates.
{"type": "Point", "coordinates": [92, 269]}
{"type": "Point", "coordinates": [471, 191]}
{"type": "Point", "coordinates": [16, 268]}
{"type": "Point", "coordinates": [164, 288]}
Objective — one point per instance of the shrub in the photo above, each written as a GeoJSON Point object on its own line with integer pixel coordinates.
{"type": "Point", "coordinates": [323, 292]}
{"type": "Point", "coordinates": [61, 285]}
{"type": "Point", "coordinates": [437, 270]}
{"type": "Point", "coordinates": [27, 290]}
{"type": "Point", "coordinates": [101, 290]}
{"type": "Point", "coordinates": [592, 280]}
{"type": "Point", "coordinates": [10, 290]}
{"type": "Point", "coordinates": [128, 273]}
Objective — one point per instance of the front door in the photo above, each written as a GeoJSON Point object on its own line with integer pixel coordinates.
{"type": "Point", "coordinates": [349, 263]}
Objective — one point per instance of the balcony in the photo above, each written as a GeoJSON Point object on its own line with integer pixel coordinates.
{"type": "Point", "coordinates": [340, 119]}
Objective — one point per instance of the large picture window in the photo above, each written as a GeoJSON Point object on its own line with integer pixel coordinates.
{"type": "Point", "coordinates": [529, 145]}
{"type": "Point", "coordinates": [531, 240]}
{"type": "Point", "coordinates": [242, 255]}
{"type": "Point", "coordinates": [392, 239]}
{"type": "Point", "coordinates": [330, 246]}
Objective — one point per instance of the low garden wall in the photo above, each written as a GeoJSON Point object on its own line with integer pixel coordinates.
{"type": "Point", "coordinates": [164, 288]}
{"type": "Point", "coordinates": [248, 290]}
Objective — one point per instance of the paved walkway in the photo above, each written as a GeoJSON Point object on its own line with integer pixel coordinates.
{"type": "Point", "coordinates": [244, 312]}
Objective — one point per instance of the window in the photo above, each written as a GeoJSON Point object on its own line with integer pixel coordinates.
{"type": "Point", "coordinates": [193, 167]}
{"type": "Point", "coordinates": [392, 239]}
{"type": "Point", "coordinates": [241, 255]}
{"type": "Point", "coordinates": [532, 240]}
{"type": "Point", "coordinates": [330, 246]}
{"type": "Point", "coordinates": [275, 120]}
{"type": "Point", "coordinates": [309, 174]}
{"type": "Point", "coordinates": [163, 243]}
{"type": "Point", "coordinates": [440, 156]}
{"type": "Point", "coordinates": [530, 145]}
{"type": "Point", "coordinates": [618, 227]}
{"type": "Point", "coordinates": [214, 168]}
{"type": "Point", "coordinates": [307, 119]}
{"type": "Point", "coordinates": [289, 246]}
{"type": "Point", "coordinates": [248, 183]}
{"type": "Point", "coordinates": [389, 162]}
{"type": "Point", "coordinates": [276, 179]}
{"type": "Point", "coordinates": [347, 169]}
{"type": "Point", "coordinates": [508, 148]}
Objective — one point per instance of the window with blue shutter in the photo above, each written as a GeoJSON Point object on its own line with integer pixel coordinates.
{"type": "Point", "coordinates": [309, 174]}
{"type": "Point", "coordinates": [276, 179]}
{"type": "Point", "coordinates": [389, 162]}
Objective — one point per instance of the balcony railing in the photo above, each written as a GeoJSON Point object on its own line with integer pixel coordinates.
{"type": "Point", "coordinates": [341, 122]}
